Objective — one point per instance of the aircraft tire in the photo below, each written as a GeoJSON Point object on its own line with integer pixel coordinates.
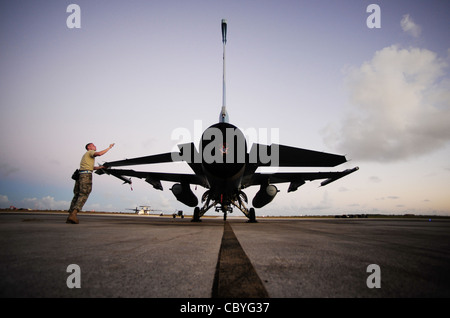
{"type": "Point", "coordinates": [196, 216]}
{"type": "Point", "coordinates": [252, 216]}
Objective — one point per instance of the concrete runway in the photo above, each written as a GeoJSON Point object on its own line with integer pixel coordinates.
{"type": "Point", "coordinates": [159, 257]}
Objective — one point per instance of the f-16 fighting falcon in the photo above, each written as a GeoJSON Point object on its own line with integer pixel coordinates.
{"type": "Point", "coordinates": [225, 167]}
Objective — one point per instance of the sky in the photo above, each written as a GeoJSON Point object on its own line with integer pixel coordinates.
{"type": "Point", "coordinates": [331, 76]}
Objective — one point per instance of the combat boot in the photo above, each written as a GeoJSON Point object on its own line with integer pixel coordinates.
{"type": "Point", "coordinates": [72, 218]}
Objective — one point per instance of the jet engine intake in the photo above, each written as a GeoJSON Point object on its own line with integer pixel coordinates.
{"type": "Point", "coordinates": [265, 195]}
{"type": "Point", "coordinates": [184, 194]}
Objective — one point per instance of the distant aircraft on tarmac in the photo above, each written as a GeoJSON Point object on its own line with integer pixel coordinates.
{"type": "Point", "coordinates": [143, 209]}
{"type": "Point", "coordinates": [225, 167]}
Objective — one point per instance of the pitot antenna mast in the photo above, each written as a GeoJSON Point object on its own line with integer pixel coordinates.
{"type": "Point", "coordinates": [223, 118]}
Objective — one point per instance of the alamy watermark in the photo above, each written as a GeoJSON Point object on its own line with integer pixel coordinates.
{"type": "Point", "coordinates": [374, 279]}
{"type": "Point", "coordinates": [374, 19]}
{"type": "Point", "coordinates": [73, 21]}
{"type": "Point", "coordinates": [227, 144]}
{"type": "Point", "coordinates": [74, 279]}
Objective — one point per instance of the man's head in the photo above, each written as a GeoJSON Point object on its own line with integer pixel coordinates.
{"type": "Point", "coordinates": [90, 146]}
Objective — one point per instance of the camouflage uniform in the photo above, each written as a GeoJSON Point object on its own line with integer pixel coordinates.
{"type": "Point", "coordinates": [83, 186]}
{"type": "Point", "coordinates": [81, 191]}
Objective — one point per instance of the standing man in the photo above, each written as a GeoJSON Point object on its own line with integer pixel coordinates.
{"type": "Point", "coordinates": [83, 185]}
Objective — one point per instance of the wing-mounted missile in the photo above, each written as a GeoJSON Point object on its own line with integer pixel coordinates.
{"type": "Point", "coordinates": [342, 174]}
{"type": "Point", "coordinates": [124, 179]}
{"type": "Point", "coordinates": [111, 173]}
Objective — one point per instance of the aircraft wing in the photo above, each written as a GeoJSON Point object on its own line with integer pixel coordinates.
{"type": "Point", "coordinates": [187, 153]}
{"type": "Point", "coordinates": [155, 178]}
{"type": "Point", "coordinates": [296, 179]}
{"type": "Point", "coordinates": [285, 156]}
{"type": "Point", "coordinates": [161, 158]}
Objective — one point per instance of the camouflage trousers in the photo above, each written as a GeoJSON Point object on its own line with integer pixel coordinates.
{"type": "Point", "coordinates": [81, 191]}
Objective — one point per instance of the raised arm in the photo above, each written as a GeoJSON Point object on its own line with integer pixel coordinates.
{"type": "Point", "coordinates": [101, 153]}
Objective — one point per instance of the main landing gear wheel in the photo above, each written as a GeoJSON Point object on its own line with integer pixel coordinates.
{"type": "Point", "coordinates": [196, 216]}
{"type": "Point", "coordinates": [251, 216]}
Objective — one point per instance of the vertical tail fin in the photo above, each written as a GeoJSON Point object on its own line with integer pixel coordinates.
{"type": "Point", "coordinates": [223, 118]}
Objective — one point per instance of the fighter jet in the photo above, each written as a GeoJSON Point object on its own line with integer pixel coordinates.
{"type": "Point", "coordinates": [225, 167]}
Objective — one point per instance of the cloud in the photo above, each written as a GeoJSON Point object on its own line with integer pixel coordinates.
{"type": "Point", "coordinates": [390, 197]}
{"type": "Point", "coordinates": [400, 107]}
{"type": "Point", "coordinates": [409, 26]}
{"type": "Point", "coordinates": [45, 203]}
{"type": "Point", "coordinates": [375, 179]}
{"type": "Point", "coordinates": [4, 199]}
